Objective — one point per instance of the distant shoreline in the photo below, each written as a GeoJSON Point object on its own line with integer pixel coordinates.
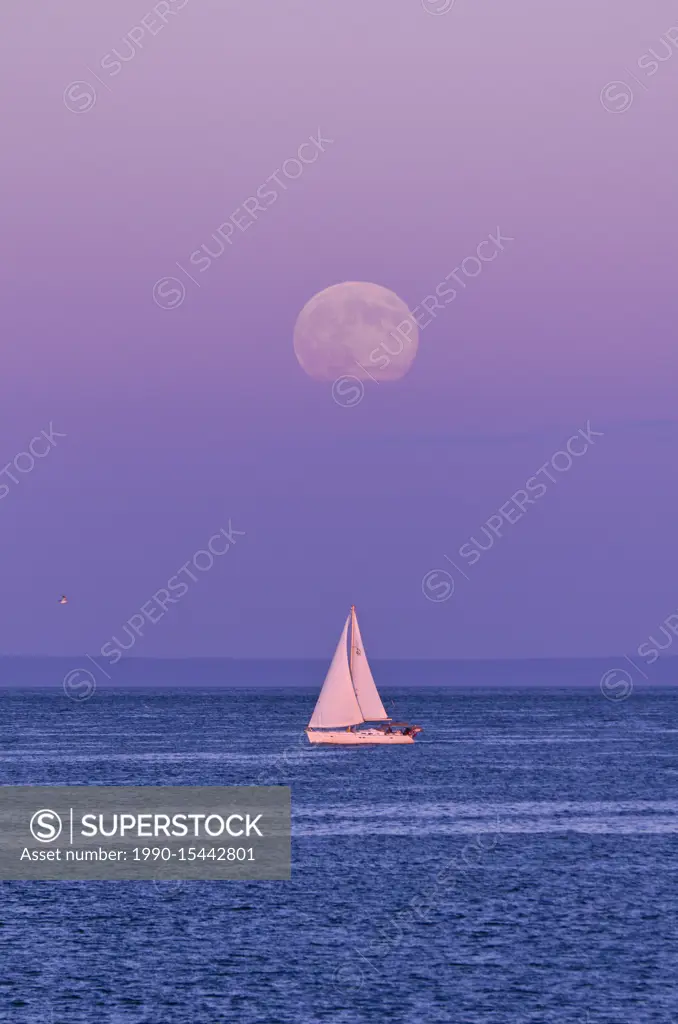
{"type": "Point", "coordinates": [20, 672]}
{"type": "Point", "coordinates": [598, 659]}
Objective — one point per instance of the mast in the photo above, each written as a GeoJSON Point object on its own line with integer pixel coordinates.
{"type": "Point", "coordinates": [350, 666]}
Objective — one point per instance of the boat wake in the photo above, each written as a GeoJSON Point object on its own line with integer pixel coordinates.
{"type": "Point", "coordinates": [449, 818]}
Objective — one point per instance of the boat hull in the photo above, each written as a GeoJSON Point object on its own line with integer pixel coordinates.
{"type": "Point", "coordinates": [360, 738]}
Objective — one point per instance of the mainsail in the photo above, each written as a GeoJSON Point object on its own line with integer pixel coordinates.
{"type": "Point", "coordinates": [337, 704]}
{"type": "Point", "coordinates": [366, 691]}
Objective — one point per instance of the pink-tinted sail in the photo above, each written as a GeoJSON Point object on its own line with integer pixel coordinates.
{"type": "Point", "coordinates": [337, 704]}
{"type": "Point", "coordinates": [366, 691]}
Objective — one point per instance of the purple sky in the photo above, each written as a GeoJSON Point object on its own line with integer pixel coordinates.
{"type": "Point", "coordinates": [444, 128]}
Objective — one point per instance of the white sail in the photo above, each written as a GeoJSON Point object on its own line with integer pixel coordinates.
{"type": "Point", "coordinates": [366, 691]}
{"type": "Point", "coordinates": [337, 704]}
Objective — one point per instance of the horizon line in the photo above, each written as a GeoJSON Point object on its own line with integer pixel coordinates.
{"type": "Point", "coordinates": [274, 657]}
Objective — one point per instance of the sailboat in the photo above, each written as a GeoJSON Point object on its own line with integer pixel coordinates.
{"type": "Point", "coordinates": [349, 698]}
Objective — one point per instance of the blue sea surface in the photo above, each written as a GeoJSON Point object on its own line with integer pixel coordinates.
{"type": "Point", "coordinates": [516, 864]}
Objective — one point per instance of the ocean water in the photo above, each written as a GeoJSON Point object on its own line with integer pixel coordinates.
{"type": "Point", "coordinates": [518, 863]}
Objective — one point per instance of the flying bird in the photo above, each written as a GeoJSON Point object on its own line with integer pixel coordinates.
{"type": "Point", "coordinates": [63, 599]}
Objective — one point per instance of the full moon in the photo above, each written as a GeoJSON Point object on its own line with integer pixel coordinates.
{"type": "Point", "coordinates": [356, 329]}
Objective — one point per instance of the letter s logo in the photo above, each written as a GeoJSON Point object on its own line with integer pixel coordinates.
{"type": "Point", "coordinates": [79, 97]}
{"type": "Point", "coordinates": [46, 826]}
{"type": "Point", "coordinates": [168, 292]}
{"type": "Point", "coordinates": [437, 585]}
{"type": "Point", "coordinates": [348, 391]}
